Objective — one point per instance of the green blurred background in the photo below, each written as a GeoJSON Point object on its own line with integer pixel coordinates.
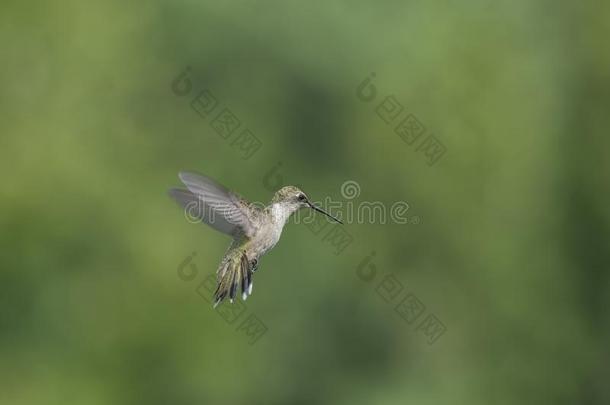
{"type": "Point", "coordinates": [511, 253]}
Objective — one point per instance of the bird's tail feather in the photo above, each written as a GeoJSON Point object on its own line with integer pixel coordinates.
{"type": "Point", "coordinates": [234, 272]}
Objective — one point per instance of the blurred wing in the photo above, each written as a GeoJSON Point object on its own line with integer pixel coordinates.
{"type": "Point", "coordinates": [215, 205]}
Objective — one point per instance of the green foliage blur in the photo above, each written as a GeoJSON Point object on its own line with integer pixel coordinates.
{"type": "Point", "coordinates": [510, 251]}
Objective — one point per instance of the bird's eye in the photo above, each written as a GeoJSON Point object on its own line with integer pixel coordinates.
{"type": "Point", "coordinates": [301, 197]}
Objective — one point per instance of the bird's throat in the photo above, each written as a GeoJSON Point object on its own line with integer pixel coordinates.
{"type": "Point", "coordinates": [280, 214]}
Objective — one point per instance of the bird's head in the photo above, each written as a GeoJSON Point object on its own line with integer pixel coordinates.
{"type": "Point", "coordinates": [292, 199]}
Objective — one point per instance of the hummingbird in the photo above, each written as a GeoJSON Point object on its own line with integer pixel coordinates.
{"type": "Point", "coordinates": [255, 230]}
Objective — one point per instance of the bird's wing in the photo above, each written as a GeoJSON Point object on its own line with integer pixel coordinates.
{"type": "Point", "coordinates": [215, 205]}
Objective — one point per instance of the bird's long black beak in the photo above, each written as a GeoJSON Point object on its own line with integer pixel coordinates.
{"type": "Point", "coordinates": [323, 212]}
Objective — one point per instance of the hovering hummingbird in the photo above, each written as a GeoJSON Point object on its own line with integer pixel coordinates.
{"type": "Point", "coordinates": [254, 230]}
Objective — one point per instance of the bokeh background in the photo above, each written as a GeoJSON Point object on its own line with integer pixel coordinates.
{"type": "Point", "coordinates": [510, 253]}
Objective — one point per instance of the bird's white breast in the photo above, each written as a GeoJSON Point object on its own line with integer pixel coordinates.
{"type": "Point", "coordinates": [269, 233]}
